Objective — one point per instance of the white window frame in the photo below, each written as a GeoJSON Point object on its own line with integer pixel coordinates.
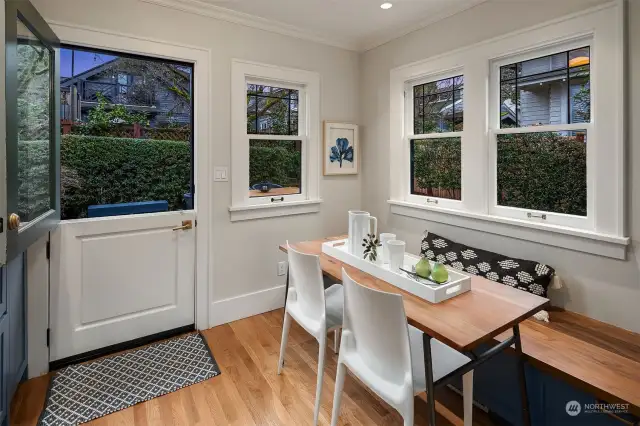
{"type": "Point", "coordinates": [578, 222]}
{"type": "Point", "coordinates": [409, 107]}
{"type": "Point", "coordinates": [602, 232]}
{"type": "Point", "coordinates": [243, 207]}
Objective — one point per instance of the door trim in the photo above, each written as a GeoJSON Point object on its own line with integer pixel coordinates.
{"type": "Point", "coordinates": [201, 58]}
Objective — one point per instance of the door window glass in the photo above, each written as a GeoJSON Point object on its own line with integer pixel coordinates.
{"type": "Point", "coordinates": [34, 69]}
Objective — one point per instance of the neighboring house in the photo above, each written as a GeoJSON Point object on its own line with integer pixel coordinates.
{"type": "Point", "coordinates": [544, 95]}
{"type": "Point", "coordinates": [162, 105]}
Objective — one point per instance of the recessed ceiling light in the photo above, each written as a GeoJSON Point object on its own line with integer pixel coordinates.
{"type": "Point", "coordinates": [386, 6]}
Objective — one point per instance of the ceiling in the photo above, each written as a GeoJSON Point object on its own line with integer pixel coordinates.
{"type": "Point", "coordinates": [352, 24]}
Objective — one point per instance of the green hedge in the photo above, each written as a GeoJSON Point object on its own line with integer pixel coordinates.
{"type": "Point", "coordinates": [275, 161]}
{"type": "Point", "coordinates": [437, 163]}
{"type": "Point", "coordinates": [543, 171]}
{"type": "Point", "coordinates": [105, 170]}
{"type": "Point", "coordinates": [538, 171]}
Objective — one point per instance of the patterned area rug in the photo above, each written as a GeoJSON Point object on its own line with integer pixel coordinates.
{"type": "Point", "coordinates": [83, 392]}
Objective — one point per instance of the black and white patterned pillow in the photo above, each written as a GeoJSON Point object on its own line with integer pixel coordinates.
{"type": "Point", "coordinates": [524, 275]}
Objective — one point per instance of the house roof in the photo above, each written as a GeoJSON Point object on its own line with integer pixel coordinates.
{"type": "Point", "coordinates": [69, 81]}
{"type": "Point", "coordinates": [89, 73]}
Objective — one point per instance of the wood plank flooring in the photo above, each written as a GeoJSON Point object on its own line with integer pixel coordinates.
{"type": "Point", "coordinates": [250, 393]}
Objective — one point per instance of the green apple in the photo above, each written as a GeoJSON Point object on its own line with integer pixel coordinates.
{"type": "Point", "coordinates": [439, 273]}
{"type": "Point", "coordinates": [423, 268]}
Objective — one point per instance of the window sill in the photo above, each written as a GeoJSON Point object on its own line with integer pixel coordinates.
{"type": "Point", "coordinates": [263, 211]}
{"type": "Point", "coordinates": [553, 235]}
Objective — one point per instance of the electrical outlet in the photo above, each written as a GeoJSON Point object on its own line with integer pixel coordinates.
{"type": "Point", "coordinates": [282, 268]}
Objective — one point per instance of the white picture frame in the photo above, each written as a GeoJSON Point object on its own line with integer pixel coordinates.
{"type": "Point", "coordinates": [340, 158]}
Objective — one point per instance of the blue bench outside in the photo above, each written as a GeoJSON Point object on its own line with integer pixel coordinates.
{"type": "Point", "coordinates": [123, 209]}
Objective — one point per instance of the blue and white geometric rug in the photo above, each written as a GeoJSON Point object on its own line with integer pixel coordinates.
{"type": "Point", "coordinates": [84, 392]}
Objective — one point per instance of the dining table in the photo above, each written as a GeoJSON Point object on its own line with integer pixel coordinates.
{"type": "Point", "coordinates": [464, 322]}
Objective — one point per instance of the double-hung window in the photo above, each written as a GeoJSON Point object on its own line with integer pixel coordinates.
{"type": "Point", "coordinates": [276, 137]}
{"type": "Point", "coordinates": [434, 127]}
{"type": "Point", "coordinates": [540, 132]}
{"type": "Point", "coordinates": [522, 135]}
{"type": "Point", "coordinates": [275, 141]}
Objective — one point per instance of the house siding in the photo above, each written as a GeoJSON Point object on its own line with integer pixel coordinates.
{"type": "Point", "coordinates": [534, 107]}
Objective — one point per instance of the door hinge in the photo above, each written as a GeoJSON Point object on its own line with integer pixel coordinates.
{"type": "Point", "coordinates": [1, 225]}
{"type": "Point", "coordinates": [48, 249]}
{"type": "Point", "coordinates": [195, 222]}
{"type": "Point", "coordinates": [48, 336]}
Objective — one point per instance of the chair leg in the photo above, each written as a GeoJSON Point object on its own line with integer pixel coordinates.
{"type": "Point", "coordinates": [467, 391]}
{"type": "Point", "coordinates": [337, 333]}
{"type": "Point", "coordinates": [285, 337]}
{"type": "Point", "coordinates": [323, 348]}
{"type": "Point", "coordinates": [337, 393]}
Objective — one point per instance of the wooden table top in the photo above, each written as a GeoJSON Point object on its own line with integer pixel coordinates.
{"type": "Point", "coordinates": [462, 322]}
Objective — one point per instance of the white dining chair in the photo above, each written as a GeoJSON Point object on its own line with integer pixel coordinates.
{"type": "Point", "coordinates": [317, 310]}
{"type": "Point", "coordinates": [386, 354]}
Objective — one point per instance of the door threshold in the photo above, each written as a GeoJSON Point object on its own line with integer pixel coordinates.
{"type": "Point", "coordinates": [119, 347]}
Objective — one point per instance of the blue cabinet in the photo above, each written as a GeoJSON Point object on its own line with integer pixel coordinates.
{"type": "Point", "coordinates": [13, 333]}
{"type": "Point", "coordinates": [4, 367]}
{"type": "Point", "coordinates": [16, 314]}
{"type": "Point", "coordinates": [496, 387]}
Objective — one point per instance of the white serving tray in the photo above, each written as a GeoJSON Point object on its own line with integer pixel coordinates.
{"type": "Point", "coordinates": [458, 282]}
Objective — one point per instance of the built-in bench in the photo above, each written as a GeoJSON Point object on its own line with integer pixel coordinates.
{"type": "Point", "coordinates": [571, 358]}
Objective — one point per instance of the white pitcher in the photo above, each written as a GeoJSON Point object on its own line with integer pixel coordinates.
{"type": "Point", "coordinates": [359, 227]}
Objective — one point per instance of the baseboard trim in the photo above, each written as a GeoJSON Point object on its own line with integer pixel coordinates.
{"type": "Point", "coordinates": [119, 347]}
{"type": "Point", "coordinates": [246, 305]}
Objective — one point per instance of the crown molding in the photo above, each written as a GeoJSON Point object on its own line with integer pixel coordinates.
{"type": "Point", "coordinates": [374, 42]}
{"type": "Point", "coordinates": [203, 8]}
{"type": "Point", "coordinates": [206, 9]}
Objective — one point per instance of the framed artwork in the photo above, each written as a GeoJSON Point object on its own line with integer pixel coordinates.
{"type": "Point", "coordinates": [341, 154]}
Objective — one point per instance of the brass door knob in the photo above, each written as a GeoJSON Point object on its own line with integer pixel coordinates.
{"type": "Point", "coordinates": [14, 222]}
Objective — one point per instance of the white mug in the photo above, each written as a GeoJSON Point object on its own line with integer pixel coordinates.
{"type": "Point", "coordinates": [384, 239]}
{"type": "Point", "coordinates": [396, 254]}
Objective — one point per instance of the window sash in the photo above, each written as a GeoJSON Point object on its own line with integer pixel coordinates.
{"type": "Point", "coordinates": [303, 131]}
{"type": "Point", "coordinates": [551, 218]}
{"type": "Point", "coordinates": [303, 195]}
{"type": "Point", "coordinates": [424, 199]}
{"type": "Point", "coordinates": [301, 136]}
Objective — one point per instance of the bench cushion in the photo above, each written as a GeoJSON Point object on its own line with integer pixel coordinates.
{"type": "Point", "coordinates": [522, 274]}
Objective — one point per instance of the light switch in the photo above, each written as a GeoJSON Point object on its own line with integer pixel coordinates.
{"type": "Point", "coordinates": [221, 174]}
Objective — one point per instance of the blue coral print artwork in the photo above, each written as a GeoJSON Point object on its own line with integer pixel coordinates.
{"type": "Point", "coordinates": [341, 152]}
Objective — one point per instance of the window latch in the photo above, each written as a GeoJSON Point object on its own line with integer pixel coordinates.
{"type": "Point", "coordinates": [432, 201]}
{"type": "Point", "coordinates": [537, 216]}
{"type": "Point", "coordinates": [273, 200]}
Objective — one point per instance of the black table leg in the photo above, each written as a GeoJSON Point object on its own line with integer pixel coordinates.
{"type": "Point", "coordinates": [286, 289]}
{"type": "Point", "coordinates": [523, 381]}
{"type": "Point", "coordinates": [428, 369]}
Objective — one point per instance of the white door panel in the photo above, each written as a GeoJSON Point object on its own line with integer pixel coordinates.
{"type": "Point", "coordinates": [119, 278]}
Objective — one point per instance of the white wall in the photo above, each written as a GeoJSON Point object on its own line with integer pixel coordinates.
{"type": "Point", "coordinates": [244, 254]}
{"type": "Point", "coordinates": [602, 288]}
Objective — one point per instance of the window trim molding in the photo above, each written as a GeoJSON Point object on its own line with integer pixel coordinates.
{"type": "Point", "coordinates": [559, 236]}
{"type": "Point", "coordinates": [605, 26]}
{"type": "Point", "coordinates": [241, 72]}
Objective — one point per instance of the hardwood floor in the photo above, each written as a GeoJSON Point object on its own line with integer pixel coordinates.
{"type": "Point", "coordinates": [249, 392]}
